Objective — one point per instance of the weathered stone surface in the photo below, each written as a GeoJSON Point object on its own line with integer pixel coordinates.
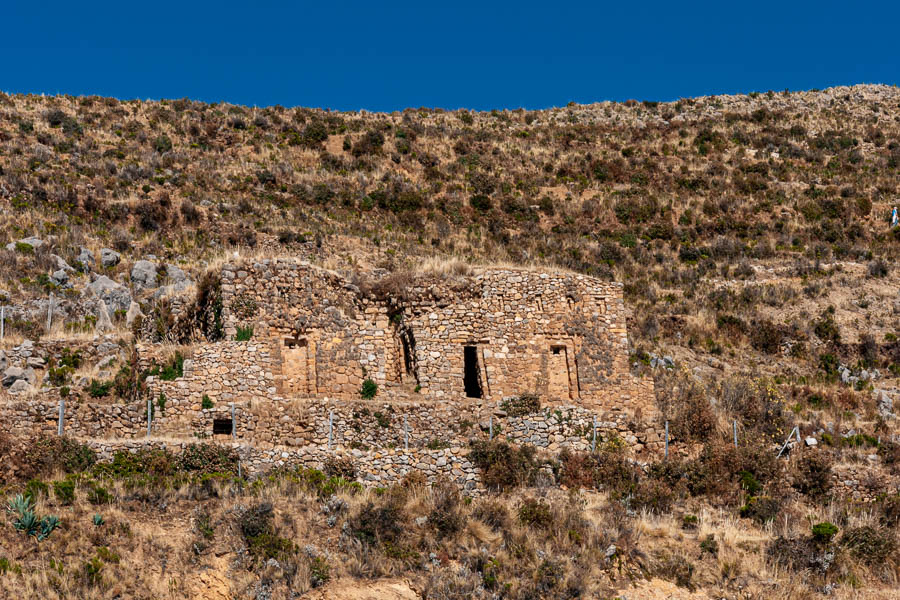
{"type": "Point", "coordinates": [115, 295]}
{"type": "Point", "coordinates": [134, 312]}
{"type": "Point", "coordinates": [86, 259]}
{"type": "Point", "coordinates": [143, 275]}
{"type": "Point", "coordinates": [109, 257]}
{"type": "Point", "coordinates": [60, 278]}
{"type": "Point", "coordinates": [11, 375]}
{"type": "Point", "coordinates": [19, 386]}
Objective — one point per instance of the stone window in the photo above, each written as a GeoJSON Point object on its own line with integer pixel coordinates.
{"type": "Point", "coordinates": [472, 372]}
{"type": "Point", "coordinates": [222, 426]}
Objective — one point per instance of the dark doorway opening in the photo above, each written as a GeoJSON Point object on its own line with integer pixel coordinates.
{"type": "Point", "coordinates": [222, 426]}
{"type": "Point", "coordinates": [409, 356]}
{"type": "Point", "coordinates": [471, 375]}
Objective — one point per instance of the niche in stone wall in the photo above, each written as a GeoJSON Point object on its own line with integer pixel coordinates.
{"type": "Point", "coordinates": [561, 382]}
{"type": "Point", "coordinates": [298, 366]}
{"type": "Point", "coordinates": [222, 426]}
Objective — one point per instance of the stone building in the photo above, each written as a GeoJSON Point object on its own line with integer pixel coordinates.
{"type": "Point", "coordinates": [488, 336]}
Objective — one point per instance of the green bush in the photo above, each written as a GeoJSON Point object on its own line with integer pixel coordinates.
{"type": "Point", "coordinates": [243, 334]}
{"type": "Point", "coordinates": [162, 144]}
{"type": "Point", "coordinates": [824, 532]}
{"type": "Point", "coordinates": [761, 509]}
{"type": "Point", "coordinates": [319, 571]}
{"type": "Point", "coordinates": [97, 494]}
{"type": "Point", "coordinates": [64, 491]}
{"type": "Point", "coordinates": [36, 488]}
{"type": "Point", "coordinates": [205, 402]}
{"type": "Point", "coordinates": [99, 389]}
{"type": "Point", "coordinates": [369, 389]}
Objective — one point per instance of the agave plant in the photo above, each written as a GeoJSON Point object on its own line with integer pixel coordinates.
{"type": "Point", "coordinates": [98, 520]}
{"type": "Point", "coordinates": [27, 522]}
{"type": "Point", "coordinates": [48, 524]}
{"type": "Point", "coordinates": [20, 504]}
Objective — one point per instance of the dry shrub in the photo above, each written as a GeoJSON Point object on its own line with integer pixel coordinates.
{"type": "Point", "coordinates": [871, 545]}
{"type": "Point", "coordinates": [492, 513]}
{"type": "Point", "coordinates": [340, 466]}
{"type": "Point", "coordinates": [576, 469]}
{"type": "Point", "coordinates": [446, 515]}
{"type": "Point", "coordinates": [503, 466]}
{"type": "Point", "coordinates": [812, 473]}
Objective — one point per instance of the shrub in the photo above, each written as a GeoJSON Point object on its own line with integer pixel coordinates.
{"type": "Point", "coordinates": [446, 516]}
{"type": "Point", "coordinates": [64, 491]}
{"type": "Point", "coordinates": [503, 466]}
{"type": "Point", "coordinates": [99, 389]}
{"type": "Point", "coordinates": [36, 488]}
{"type": "Point", "coordinates": [243, 334]}
{"type": "Point", "coordinates": [481, 202]}
{"type": "Point", "coordinates": [98, 494]}
{"type": "Point", "coordinates": [375, 525]}
{"type": "Point", "coordinates": [342, 467]}
{"type": "Point", "coordinates": [206, 403]}
{"type": "Point", "coordinates": [519, 406]}
{"type": "Point", "coordinates": [208, 458]}
{"type": "Point", "coordinates": [369, 389]}
{"type": "Point", "coordinates": [652, 496]}
{"type": "Point", "coordinates": [761, 509]}
{"type": "Point", "coordinates": [813, 474]}
{"type": "Point", "coordinates": [577, 470]}
{"type": "Point", "coordinates": [319, 571]}
{"type": "Point", "coordinates": [162, 144]}
{"type": "Point", "coordinates": [709, 544]}
{"type": "Point", "coordinates": [824, 532]}
{"type": "Point", "coordinates": [869, 544]}
{"type": "Point", "coordinates": [535, 513]}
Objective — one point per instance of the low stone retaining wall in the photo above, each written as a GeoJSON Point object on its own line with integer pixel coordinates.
{"type": "Point", "coordinates": [359, 425]}
{"type": "Point", "coordinates": [375, 468]}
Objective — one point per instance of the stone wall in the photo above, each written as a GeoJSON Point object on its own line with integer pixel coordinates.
{"type": "Point", "coordinates": [353, 425]}
{"type": "Point", "coordinates": [374, 468]}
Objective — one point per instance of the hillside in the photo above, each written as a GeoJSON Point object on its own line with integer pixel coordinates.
{"type": "Point", "coordinates": [752, 235]}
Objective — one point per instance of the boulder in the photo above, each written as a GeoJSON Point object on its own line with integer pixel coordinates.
{"type": "Point", "coordinates": [60, 278]}
{"type": "Point", "coordinates": [19, 386]}
{"type": "Point", "coordinates": [143, 275]}
{"type": "Point", "coordinates": [109, 257]}
{"type": "Point", "coordinates": [32, 241]}
{"type": "Point", "coordinates": [175, 274]}
{"type": "Point", "coordinates": [4, 362]}
{"type": "Point", "coordinates": [12, 375]}
{"type": "Point", "coordinates": [104, 323]}
{"type": "Point", "coordinates": [61, 263]}
{"type": "Point", "coordinates": [134, 311]}
{"type": "Point", "coordinates": [115, 295]}
{"type": "Point", "coordinates": [86, 259]}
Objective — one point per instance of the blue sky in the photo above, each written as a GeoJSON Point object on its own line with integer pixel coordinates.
{"type": "Point", "coordinates": [387, 56]}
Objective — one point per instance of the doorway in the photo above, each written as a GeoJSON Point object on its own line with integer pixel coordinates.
{"type": "Point", "coordinates": [472, 372]}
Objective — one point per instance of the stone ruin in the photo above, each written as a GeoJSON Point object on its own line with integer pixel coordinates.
{"type": "Point", "coordinates": [399, 372]}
